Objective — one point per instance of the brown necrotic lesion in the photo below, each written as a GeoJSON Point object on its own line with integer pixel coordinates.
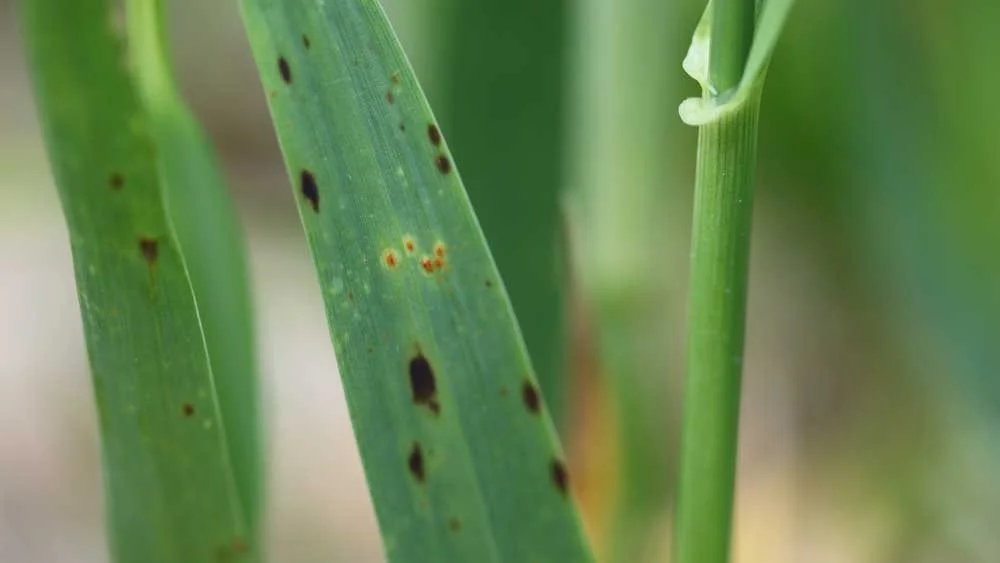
{"type": "Point", "coordinates": [423, 384]}
{"type": "Point", "coordinates": [415, 462]}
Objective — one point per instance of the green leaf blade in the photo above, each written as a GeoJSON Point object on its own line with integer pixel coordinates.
{"type": "Point", "coordinates": [503, 87]}
{"type": "Point", "coordinates": [169, 484]}
{"type": "Point", "coordinates": [462, 465]}
{"type": "Point", "coordinates": [207, 228]}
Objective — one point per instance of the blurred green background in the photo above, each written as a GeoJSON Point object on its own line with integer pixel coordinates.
{"type": "Point", "coordinates": [872, 375]}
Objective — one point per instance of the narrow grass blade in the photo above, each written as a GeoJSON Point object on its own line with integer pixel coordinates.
{"type": "Point", "coordinates": [208, 231]}
{"type": "Point", "coordinates": [503, 76]}
{"type": "Point", "coordinates": [169, 484]}
{"type": "Point", "coordinates": [461, 458]}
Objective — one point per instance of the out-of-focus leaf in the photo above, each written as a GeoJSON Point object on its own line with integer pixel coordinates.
{"type": "Point", "coordinates": [503, 74]}
{"type": "Point", "coordinates": [208, 231]}
{"type": "Point", "coordinates": [618, 199]}
{"type": "Point", "coordinates": [931, 201]}
{"type": "Point", "coordinates": [170, 490]}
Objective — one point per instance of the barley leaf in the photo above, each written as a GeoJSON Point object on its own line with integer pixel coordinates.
{"type": "Point", "coordinates": [205, 223]}
{"type": "Point", "coordinates": [170, 491]}
{"type": "Point", "coordinates": [460, 455]}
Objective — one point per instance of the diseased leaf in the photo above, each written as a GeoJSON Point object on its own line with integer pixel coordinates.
{"type": "Point", "coordinates": [170, 490]}
{"type": "Point", "coordinates": [461, 461]}
{"type": "Point", "coordinates": [208, 231]}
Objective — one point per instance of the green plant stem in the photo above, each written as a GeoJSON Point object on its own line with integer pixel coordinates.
{"type": "Point", "coordinates": [720, 250]}
{"type": "Point", "coordinates": [732, 34]}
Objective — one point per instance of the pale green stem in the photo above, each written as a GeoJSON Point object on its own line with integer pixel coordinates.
{"type": "Point", "coordinates": [720, 252]}
{"type": "Point", "coordinates": [732, 34]}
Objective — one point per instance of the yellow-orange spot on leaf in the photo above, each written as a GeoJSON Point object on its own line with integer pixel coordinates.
{"type": "Point", "coordinates": [389, 258]}
{"type": "Point", "coordinates": [427, 264]}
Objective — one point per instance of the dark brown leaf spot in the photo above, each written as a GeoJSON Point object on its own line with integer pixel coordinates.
{"type": "Point", "coordinates": [489, 284]}
{"type": "Point", "coordinates": [454, 524]}
{"type": "Point", "coordinates": [531, 399]}
{"type": "Point", "coordinates": [504, 392]}
{"type": "Point", "coordinates": [559, 476]}
{"type": "Point", "coordinates": [434, 135]}
{"type": "Point", "coordinates": [409, 244]}
{"type": "Point", "coordinates": [416, 462]}
{"type": "Point", "coordinates": [350, 296]}
{"type": "Point", "coordinates": [402, 127]}
{"type": "Point", "coordinates": [150, 249]}
{"type": "Point", "coordinates": [389, 97]}
{"type": "Point", "coordinates": [305, 41]}
{"type": "Point", "coordinates": [443, 164]}
{"type": "Point", "coordinates": [395, 78]}
{"type": "Point", "coordinates": [116, 181]}
{"type": "Point", "coordinates": [309, 189]}
{"type": "Point", "coordinates": [187, 409]}
{"type": "Point", "coordinates": [285, 69]}
{"type": "Point", "coordinates": [422, 383]}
